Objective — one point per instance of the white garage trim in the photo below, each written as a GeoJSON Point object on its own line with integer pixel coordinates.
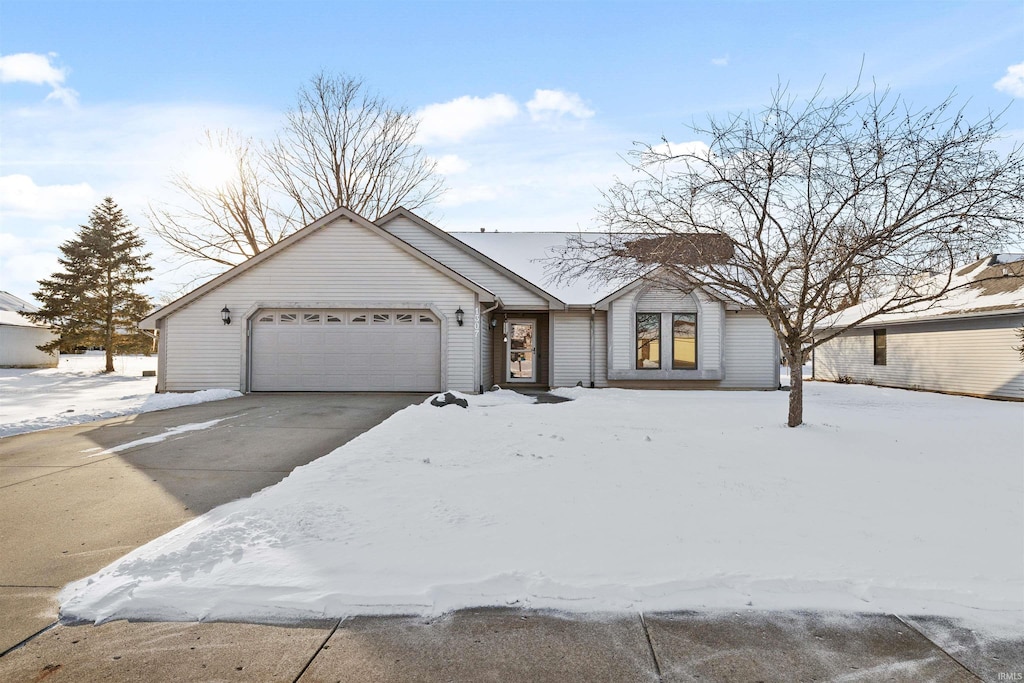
{"type": "Point", "coordinates": [251, 313]}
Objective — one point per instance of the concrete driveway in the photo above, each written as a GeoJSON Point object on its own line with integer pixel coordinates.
{"type": "Point", "coordinates": [74, 499]}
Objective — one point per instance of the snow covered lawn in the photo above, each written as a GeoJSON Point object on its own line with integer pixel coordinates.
{"type": "Point", "coordinates": [77, 391]}
{"type": "Point", "coordinates": [888, 500]}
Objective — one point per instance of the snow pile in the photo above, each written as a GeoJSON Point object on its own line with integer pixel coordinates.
{"type": "Point", "coordinates": [890, 501]}
{"type": "Point", "coordinates": [78, 391]}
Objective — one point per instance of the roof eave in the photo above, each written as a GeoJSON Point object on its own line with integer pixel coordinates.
{"type": "Point", "coordinates": [552, 300]}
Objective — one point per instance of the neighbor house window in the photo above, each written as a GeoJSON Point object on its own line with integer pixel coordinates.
{"type": "Point", "coordinates": [684, 341]}
{"type": "Point", "coordinates": [879, 347]}
{"type": "Point", "coordinates": [648, 341]}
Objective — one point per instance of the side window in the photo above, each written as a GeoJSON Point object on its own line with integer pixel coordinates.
{"type": "Point", "coordinates": [880, 347]}
{"type": "Point", "coordinates": [648, 341]}
{"type": "Point", "coordinates": [684, 341]}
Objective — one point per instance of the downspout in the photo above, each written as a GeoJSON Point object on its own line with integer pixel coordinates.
{"type": "Point", "coordinates": [483, 321]}
{"type": "Point", "coordinates": [592, 341]}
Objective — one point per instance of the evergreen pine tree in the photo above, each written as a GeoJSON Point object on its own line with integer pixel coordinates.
{"type": "Point", "coordinates": [92, 301]}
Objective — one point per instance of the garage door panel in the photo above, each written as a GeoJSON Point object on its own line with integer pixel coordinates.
{"type": "Point", "coordinates": [338, 350]}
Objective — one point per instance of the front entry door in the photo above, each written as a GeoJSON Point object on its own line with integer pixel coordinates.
{"type": "Point", "coordinates": [522, 351]}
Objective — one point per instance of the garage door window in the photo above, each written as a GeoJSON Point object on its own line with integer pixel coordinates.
{"type": "Point", "coordinates": [357, 319]}
{"type": "Point", "coordinates": [267, 318]}
{"type": "Point", "coordinates": [288, 318]}
{"type": "Point", "coordinates": [403, 318]}
{"type": "Point", "coordinates": [310, 318]}
{"type": "Point", "coordinates": [334, 319]}
{"type": "Point", "coordinates": [381, 318]}
{"type": "Point", "coordinates": [427, 320]}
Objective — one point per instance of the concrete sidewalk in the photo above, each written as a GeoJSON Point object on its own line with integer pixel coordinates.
{"type": "Point", "coordinates": [513, 645]}
{"type": "Point", "coordinates": [71, 503]}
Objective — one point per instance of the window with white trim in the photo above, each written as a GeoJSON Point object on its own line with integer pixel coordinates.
{"type": "Point", "coordinates": [648, 341]}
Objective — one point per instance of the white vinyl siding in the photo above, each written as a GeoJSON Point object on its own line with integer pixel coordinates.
{"type": "Point", "coordinates": [671, 300]}
{"type": "Point", "coordinates": [486, 352]}
{"type": "Point", "coordinates": [969, 356]}
{"type": "Point", "coordinates": [18, 347]}
{"type": "Point", "coordinates": [751, 353]}
{"type": "Point", "coordinates": [571, 360]}
{"type": "Point", "coordinates": [622, 319]}
{"type": "Point", "coordinates": [511, 292]}
{"type": "Point", "coordinates": [342, 265]}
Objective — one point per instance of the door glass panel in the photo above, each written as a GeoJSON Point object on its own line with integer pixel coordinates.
{"type": "Point", "coordinates": [521, 350]}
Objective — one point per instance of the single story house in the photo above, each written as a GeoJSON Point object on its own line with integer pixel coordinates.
{"type": "Point", "coordinates": [966, 343]}
{"type": "Point", "coordinates": [19, 336]}
{"type": "Point", "coordinates": [346, 304]}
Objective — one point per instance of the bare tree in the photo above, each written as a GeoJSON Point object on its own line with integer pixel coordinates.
{"type": "Point", "coordinates": [345, 146]}
{"type": "Point", "coordinates": [341, 147]}
{"type": "Point", "coordinates": [826, 202]}
{"type": "Point", "coordinates": [230, 220]}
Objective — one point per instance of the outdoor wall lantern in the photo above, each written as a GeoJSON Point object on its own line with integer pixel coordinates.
{"type": "Point", "coordinates": [460, 316]}
{"type": "Point", "coordinates": [225, 315]}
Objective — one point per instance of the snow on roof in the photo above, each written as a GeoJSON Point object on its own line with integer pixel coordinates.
{"type": "Point", "coordinates": [994, 285]}
{"type": "Point", "coordinates": [526, 254]}
{"type": "Point", "coordinates": [11, 308]}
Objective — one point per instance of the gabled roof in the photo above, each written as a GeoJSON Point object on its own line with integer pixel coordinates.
{"type": "Point", "coordinates": [455, 240]}
{"type": "Point", "coordinates": [527, 255]}
{"type": "Point", "coordinates": [298, 236]}
{"type": "Point", "coordinates": [11, 309]}
{"type": "Point", "coordinates": [530, 254]}
{"type": "Point", "coordinates": [991, 286]}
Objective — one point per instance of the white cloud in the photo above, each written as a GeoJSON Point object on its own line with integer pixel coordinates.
{"type": "Point", "coordinates": [720, 61]}
{"type": "Point", "coordinates": [125, 151]}
{"type": "Point", "coordinates": [552, 104]}
{"type": "Point", "coordinates": [1013, 82]}
{"type": "Point", "coordinates": [452, 121]}
{"type": "Point", "coordinates": [450, 164]}
{"type": "Point", "coordinates": [20, 196]}
{"type": "Point", "coordinates": [468, 194]}
{"type": "Point", "coordinates": [26, 260]}
{"type": "Point", "coordinates": [27, 67]}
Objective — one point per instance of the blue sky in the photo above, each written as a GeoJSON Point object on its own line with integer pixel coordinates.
{"type": "Point", "coordinates": [118, 94]}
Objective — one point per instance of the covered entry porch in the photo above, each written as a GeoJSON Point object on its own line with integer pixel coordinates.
{"type": "Point", "coordinates": [521, 349]}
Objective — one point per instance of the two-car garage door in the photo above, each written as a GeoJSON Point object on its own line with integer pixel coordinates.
{"type": "Point", "coordinates": [346, 350]}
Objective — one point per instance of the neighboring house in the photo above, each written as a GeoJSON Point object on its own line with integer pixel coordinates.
{"type": "Point", "coordinates": [19, 336]}
{"type": "Point", "coordinates": [346, 304]}
{"type": "Point", "coordinates": [965, 343]}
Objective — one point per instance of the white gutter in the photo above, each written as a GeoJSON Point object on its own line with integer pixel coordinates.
{"type": "Point", "coordinates": [592, 370]}
{"type": "Point", "coordinates": [479, 353]}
